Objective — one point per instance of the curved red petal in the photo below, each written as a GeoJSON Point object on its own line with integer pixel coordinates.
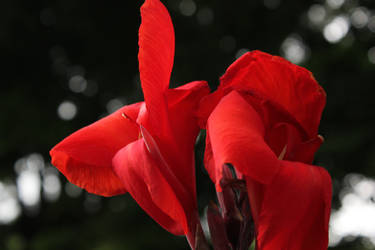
{"type": "Point", "coordinates": [294, 208]}
{"type": "Point", "coordinates": [140, 174]}
{"type": "Point", "coordinates": [156, 55]}
{"type": "Point", "coordinates": [182, 106]}
{"type": "Point", "coordinates": [236, 134]}
{"type": "Point", "coordinates": [284, 136]}
{"type": "Point", "coordinates": [290, 86]}
{"type": "Point", "coordinates": [207, 105]}
{"type": "Point", "coordinates": [85, 157]}
{"type": "Point", "coordinates": [305, 151]}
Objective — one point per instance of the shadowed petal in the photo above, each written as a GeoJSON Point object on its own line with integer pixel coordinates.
{"type": "Point", "coordinates": [236, 133]}
{"type": "Point", "coordinates": [286, 136]}
{"type": "Point", "coordinates": [290, 86]}
{"type": "Point", "coordinates": [182, 105]}
{"type": "Point", "coordinates": [85, 157]}
{"type": "Point", "coordinates": [294, 209]}
{"type": "Point", "coordinates": [138, 169]}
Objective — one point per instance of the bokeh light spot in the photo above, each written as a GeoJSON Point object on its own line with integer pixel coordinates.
{"type": "Point", "coordinates": [115, 104]}
{"type": "Point", "coordinates": [29, 180]}
{"type": "Point", "coordinates": [77, 83]}
{"type": "Point", "coordinates": [359, 17]}
{"type": "Point", "coordinates": [335, 4]}
{"type": "Point", "coordinates": [28, 186]}
{"type": "Point", "coordinates": [9, 206]}
{"type": "Point", "coordinates": [51, 184]}
{"type": "Point", "coordinates": [316, 14]}
{"type": "Point", "coordinates": [337, 29]}
{"type": "Point", "coordinates": [67, 110]}
{"type": "Point", "coordinates": [187, 7]}
{"type": "Point", "coordinates": [294, 49]}
{"type": "Point", "coordinates": [356, 216]}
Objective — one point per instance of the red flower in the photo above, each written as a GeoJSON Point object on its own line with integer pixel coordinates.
{"type": "Point", "coordinates": [146, 149]}
{"type": "Point", "coordinates": [263, 120]}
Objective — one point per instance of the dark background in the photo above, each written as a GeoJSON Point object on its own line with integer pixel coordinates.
{"type": "Point", "coordinates": [85, 52]}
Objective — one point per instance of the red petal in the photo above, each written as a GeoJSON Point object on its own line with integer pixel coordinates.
{"type": "Point", "coordinates": [182, 105]}
{"type": "Point", "coordinates": [207, 105]}
{"type": "Point", "coordinates": [177, 147]}
{"type": "Point", "coordinates": [290, 86]}
{"type": "Point", "coordinates": [294, 209]}
{"type": "Point", "coordinates": [139, 171]}
{"type": "Point", "coordinates": [156, 54]}
{"type": "Point", "coordinates": [85, 157]}
{"type": "Point", "coordinates": [305, 151]}
{"type": "Point", "coordinates": [236, 134]}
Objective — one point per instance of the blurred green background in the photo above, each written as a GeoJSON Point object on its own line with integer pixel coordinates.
{"type": "Point", "coordinates": [66, 63]}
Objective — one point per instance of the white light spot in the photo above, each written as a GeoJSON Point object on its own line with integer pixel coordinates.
{"type": "Point", "coordinates": [20, 165]}
{"type": "Point", "coordinates": [205, 16]}
{"type": "Point", "coordinates": [28, 179]}
{"type": "Point", "coordinates": [67, 110]}
{"type": "Point", "coordinates": [371, 55]}
{"type": "Point", "coordinates": [227, 43]}
{"type": "Point", "coordinates": [294, 50]}
{"type": "Point", "coordinates": [51, 184]}
{"type": "Point", "coordinates": [72, 190]}
{"type": "Point", "coordinates": [360, 17]}
{"type": "Point", "coordinates": [356, 217]}
{"type": "Point", "coordinates": [316, 14]}
{"type": "Point", "coordinates": [365, 189]}
{"type": "Point", "coordinates": [9, 206]}
{"type": "Point", "coordinates": [336, 30]}
{"type": "Point", "coordinates": [187, 7]}
{"type": "Point", "coordinates": [241, 52]}
{"type": "Point", "coordinates": [115, 104]}
{"type": "Point", "coordinates": [34, 162]}
{"type": "Point", "coordinates": [77, 83]}
{"type": "Point", "coordinates": [335, 4]}
{"type": "Point", "coordinates": [28, 186]}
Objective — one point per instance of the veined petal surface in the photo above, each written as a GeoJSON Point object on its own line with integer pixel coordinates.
{"type": "Point", "coordinates": [85, 157]}
{"type": "Point", "coordinates": [156, 55]}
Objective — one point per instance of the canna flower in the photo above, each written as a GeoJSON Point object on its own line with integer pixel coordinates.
{"type": "Point", "coordinates": [147, 148]}
{"type": "Point", "coordinates": [263, 121]}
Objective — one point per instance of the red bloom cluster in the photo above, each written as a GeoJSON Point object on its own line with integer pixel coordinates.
{"type": "Point", "coordinates": [262, 121]}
